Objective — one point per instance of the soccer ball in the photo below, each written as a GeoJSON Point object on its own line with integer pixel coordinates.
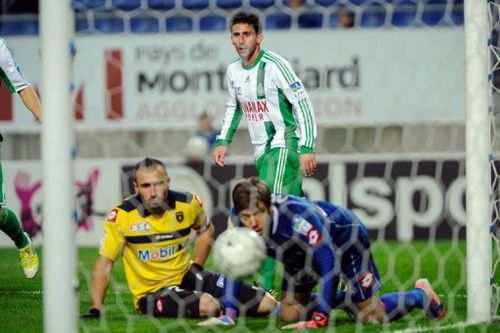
{"type": "Point", "coordinates": [238, 252]}
{"type": "Point", "coordinates": [196, 148]}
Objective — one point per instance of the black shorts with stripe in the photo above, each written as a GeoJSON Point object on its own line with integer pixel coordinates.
{"type": "Point", "coordinates": [183, 301]}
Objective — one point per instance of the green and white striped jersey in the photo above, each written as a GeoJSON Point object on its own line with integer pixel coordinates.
{"type": "Point", "coordinates": [275, 104]}
{"type": "Point", "coordinates": [10, 71]}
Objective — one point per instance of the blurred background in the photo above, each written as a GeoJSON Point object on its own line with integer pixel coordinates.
{"type": "Point", "coordinates": [386, 78]}
{"type": "Point", "coordinates": [353, 30]}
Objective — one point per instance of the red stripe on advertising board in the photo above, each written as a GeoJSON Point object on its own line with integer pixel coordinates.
{"type": "Point", "coordinates": [114, 86]}
{"type": "Point", "coordinates": [78, 107]}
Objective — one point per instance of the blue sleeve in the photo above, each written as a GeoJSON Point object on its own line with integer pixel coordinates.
{"type": "Point", "coordinates": [310, 225]}
{"type": "Point", "coordinates": [234, 218]}
{"type": "Point", "coordinates": [231, 291]}
{"type": "Point", "coordinates": [324, 258]}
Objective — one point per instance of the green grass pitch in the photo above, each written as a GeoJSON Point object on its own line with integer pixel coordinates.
{"type": "Point", "coordinates": [443, 263]}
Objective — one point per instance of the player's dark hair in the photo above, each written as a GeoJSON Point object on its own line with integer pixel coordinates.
{"type": "Point", "coordinates": [250, 191]}
{"type": "Point", "coordinates": [148, 163]}
{"type": "Point", "coordinates": [247, 18]}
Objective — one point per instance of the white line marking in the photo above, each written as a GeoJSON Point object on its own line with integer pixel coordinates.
{"type": "Point", "coordinates": [27, 292]}
{"type": "Point", "coordinates": [461, 324]}
{"type": "Point", "coordinates": [38, 292]}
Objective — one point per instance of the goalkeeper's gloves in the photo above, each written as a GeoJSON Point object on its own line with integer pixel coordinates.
{"type": "Point", "coordinates": [93, 314]}
{"type": "Point", "coordinates": [218, 321]}
{"type": "Point", "coordinates": [318, 320]}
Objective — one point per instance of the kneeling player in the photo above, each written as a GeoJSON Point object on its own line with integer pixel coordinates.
{"type": "Point", "coordinates": [319, 242]}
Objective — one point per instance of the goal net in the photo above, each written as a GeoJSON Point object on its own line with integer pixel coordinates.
{"type": "Point", "coordinates": [389, 100]}
{"type": "Point", "coordinates": [493, 79]}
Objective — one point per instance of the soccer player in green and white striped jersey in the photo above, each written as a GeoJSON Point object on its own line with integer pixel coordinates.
{"type": "Point", "coordinates": [264, 90]}
{"type": "Point", "coordinates": [12, 76]}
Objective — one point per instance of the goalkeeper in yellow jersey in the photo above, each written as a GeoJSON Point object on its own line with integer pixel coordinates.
{"type": "Point", "coordinates": [151, 230]}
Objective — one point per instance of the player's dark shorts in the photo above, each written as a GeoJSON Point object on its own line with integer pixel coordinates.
{"type": "Point", "coordinates": [358, 270]}
{"type": "Point", "coordinates": [183, 301]}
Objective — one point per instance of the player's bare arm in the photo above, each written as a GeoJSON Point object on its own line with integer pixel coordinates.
{"type": "Point", "coordinates": [204, 240]}
{"type": "Point", "coordinates": [100, 281]}
{"type": "Point", "coordinates": [32, 102]}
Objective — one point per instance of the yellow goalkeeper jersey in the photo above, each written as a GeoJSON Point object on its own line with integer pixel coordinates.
{"type": "Point", "coordinates": [153, 248]}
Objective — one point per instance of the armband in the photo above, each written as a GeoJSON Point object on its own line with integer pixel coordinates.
{"type": "Point", "coordinates": [204, 227]}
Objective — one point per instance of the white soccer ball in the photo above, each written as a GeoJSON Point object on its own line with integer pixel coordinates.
{"type": "Point", "coordinates": [197, 148]}
{"type": "Point", "coordinates": [238, 252]}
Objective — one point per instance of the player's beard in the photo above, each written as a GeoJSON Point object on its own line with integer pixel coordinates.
{"type": "Point", "coordinates": [247, 53]}
{"type": "Point", "coordinates": [156, 206]}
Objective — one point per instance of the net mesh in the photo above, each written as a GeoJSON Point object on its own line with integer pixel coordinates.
{"type": "Point", "coordinates": [404, 180]}
{"type": "Point", "coordinates": [493, 75]}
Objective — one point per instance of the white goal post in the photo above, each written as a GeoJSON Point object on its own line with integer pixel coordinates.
{"type": "Point", "coordinates": [478, 179]}
{"type": "Point", "coordinates": [59, 251]}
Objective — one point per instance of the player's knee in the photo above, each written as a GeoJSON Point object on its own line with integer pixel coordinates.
{"type": "Point", "coordinates": [209, 306]}
{"type": "Point", "coordinates": [267, 304]}
{"type": "Point", "coordinates": [371, 311]}
{"type": "Point", "coordinates": [1, 214]}
{"type": "Point", "coordinates": [371, 318]}
{"type": "Point", "coordinates": [289, 312]}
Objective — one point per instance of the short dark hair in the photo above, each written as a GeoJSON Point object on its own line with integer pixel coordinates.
{"type": "Point", "coordinates": [248, 18]}
{"type": "Point", "coordinates": [149, 163]}
{"type": "Point", "coordinates": [250, 191]}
